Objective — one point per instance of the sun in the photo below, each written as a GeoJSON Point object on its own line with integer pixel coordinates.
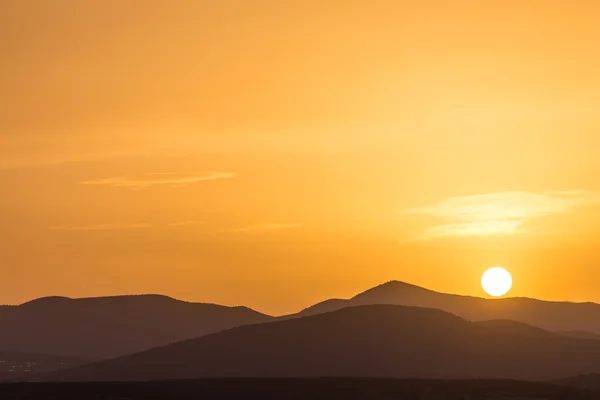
{"type": "Point", "coordinates": [496, 281]}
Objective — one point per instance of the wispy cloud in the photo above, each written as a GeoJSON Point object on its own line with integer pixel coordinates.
{"type": "Point", "coordinates": [156, 179]}
{"type": "Point", "coordinates": [502, 213]}
{"type": "Point", "coordinates": [477, 228]}
{"type": "Point", "coordinates": [266, 228]}
{"type": "Point", "coordinates": [184, 223]}
{"type": "Point", "coordinates": [101, 227]}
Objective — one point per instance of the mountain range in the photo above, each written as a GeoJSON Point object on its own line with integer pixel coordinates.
{"type": "Point", "coordinates": [362, 341]}
{"type": "Point", "coordinates": [106, 327]}
{"type": "Point", "coordinates": [392, 330]}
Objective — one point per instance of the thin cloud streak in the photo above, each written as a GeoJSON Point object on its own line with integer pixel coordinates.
{"type": "Point", "coordinates": [184, 223]}
{"type": "Point", "coordinates": [479, 228]}
{"type": "Point", "coordinates": [502, 213]}
{"type": "Point", "coordinates": [266, 228]}
{"type": "Point", "coordinates": [101, 227]}
{"type": "Point", "coordinates": [157, 179]}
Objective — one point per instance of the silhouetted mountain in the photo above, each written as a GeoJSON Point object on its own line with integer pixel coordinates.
{"type": "Point", "coordinates": [112, 326]}
{"type": "Point", "coordinates": [367, 341]}
{"type": "Point", "coordinates": [552, 316]}
{"type": "Point", "coordinates": [14, 365]}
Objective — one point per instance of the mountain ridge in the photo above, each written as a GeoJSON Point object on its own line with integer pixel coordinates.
{"type": "Point", "coordinates": [550, 315]}
{"type": "Point", "coordinates": [111, 326]}
{"type": "Point", "coordinates": [424, 289]}
{"type": "Point", "coordinates": [367, 341]}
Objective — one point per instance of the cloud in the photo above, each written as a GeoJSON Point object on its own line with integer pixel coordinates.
{"type": "Point", "coordinates": [184, 223]}
{"type": "Point", "coordinates": [266, 228]}
{"type": "Point", "coordinates": [156, 179]}
{"type": "Point", "coordinates": [502, 213]}
{"type": "Point", "coordinates": [479, 228]}
{"type": "Point", "coordinates": [101, 227]}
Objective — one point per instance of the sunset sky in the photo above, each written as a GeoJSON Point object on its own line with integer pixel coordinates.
{"type": "Point", "coordinates": [278, 153]}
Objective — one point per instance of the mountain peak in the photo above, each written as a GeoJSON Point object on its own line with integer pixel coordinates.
{"type": "Point", "coordinates": [390, 288]}
{"type": "Point", "coordinates": [399, 284]}
{"type": "Point", "coordinates": [47, 300]}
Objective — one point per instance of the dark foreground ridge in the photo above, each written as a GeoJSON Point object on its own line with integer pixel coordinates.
{"type": "Point", "coordinates": [365, 341]}
{"type": "Point", "coordinates": [300, 389]}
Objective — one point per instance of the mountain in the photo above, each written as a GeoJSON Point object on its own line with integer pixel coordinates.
{"type": "Point", "coordinates": [552, 316]}
{"type": "Point", "coordinates": [105, 327]}
{"type": "Point", "coordinates": [365, 341]}
{"type": "Point", "coordinates": [14, 365]}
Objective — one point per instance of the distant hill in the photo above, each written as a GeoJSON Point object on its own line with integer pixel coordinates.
{"type": "Point", "coordinates": [14, 365]}
{"type": "Point", "coordinates": [366, 341]}
{"type": "Point", "coordinates": [106, 327]}
{"type": "Point", "coordinates": [552, 316]}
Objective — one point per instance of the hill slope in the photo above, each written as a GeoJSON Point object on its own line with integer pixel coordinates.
{"type": "Point", "coordinates": [112, 326]}
{"type": "Point", "coordinates": [367, 341]}
{"type": "Point", "coordinates": [552, 316]}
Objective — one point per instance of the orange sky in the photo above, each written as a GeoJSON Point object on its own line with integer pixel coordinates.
{"type": "Point", "coordinates": [277, 153]}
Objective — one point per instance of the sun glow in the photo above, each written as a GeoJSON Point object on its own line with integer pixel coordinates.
{"type": "Point", "coordinates": [496, 281]}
